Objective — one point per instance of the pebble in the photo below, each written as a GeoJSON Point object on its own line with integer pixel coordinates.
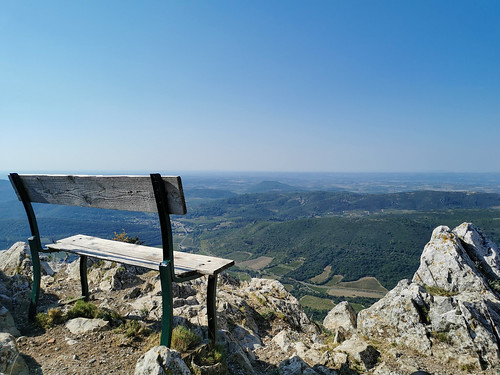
{"type": "Point", "coordinates": [92, 361]}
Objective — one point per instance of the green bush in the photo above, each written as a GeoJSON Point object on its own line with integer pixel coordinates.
{"type": "Point", "coordinates": [438, 291]}
{"type": "Point", "coordinates": [82, 309]}
{"type": "Point", "coordinates": [183, 339]}
{"type": "Point", "coordinates": [50, 319]}
{"type": "Point", "coordinates": [135, 329]}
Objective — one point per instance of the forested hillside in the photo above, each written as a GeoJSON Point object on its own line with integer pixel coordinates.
{"type": "Point", "coordinates": [289, 206]}
{"type": "Point", "coordinates": [387, 246]}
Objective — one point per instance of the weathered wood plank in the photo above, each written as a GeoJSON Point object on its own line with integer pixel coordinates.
{"type": "Point", "coordinates": [129, 193]}
{"type": "Point", "coordinates": [139, 255]}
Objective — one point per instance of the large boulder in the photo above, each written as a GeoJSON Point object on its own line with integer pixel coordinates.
{"type": "Point", "coordinates": [161, 360]}
{"type": "Point", "coordinates": [342, 315]}
{"type": "Point", "coordinates": [10, 360]}
{"type": "Point", "coordinates": [7, 323]}
{"type": "Point", "coordinates": [79, 326]}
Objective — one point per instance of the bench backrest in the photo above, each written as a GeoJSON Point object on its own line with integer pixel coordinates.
{"type": "Point", "coordinates": [128, 193]}
{"type": "Point", "coordinates": [153, 193]}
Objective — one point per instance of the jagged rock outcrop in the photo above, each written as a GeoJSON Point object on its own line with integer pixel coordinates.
{"type": "Point", "coordinates": [450, 311]}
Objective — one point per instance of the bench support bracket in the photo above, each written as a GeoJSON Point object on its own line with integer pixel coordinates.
{"type": "Point", "coordinates": [35, 248]}
{"type": "Point", "coordinates": [212, 308]}
{"type": "Point", "coordinates": [83, 277]}
{"type": "Point", "coordinates": [167, 303]}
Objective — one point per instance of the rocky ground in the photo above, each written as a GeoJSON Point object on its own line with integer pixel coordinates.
{"type": "Point", "coordinates": [445, 320]}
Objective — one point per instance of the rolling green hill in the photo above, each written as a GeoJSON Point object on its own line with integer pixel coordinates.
{"type": "Point", "coordinates": [385, 246]}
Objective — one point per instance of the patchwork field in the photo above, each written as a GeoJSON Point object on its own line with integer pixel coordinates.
{"type": "Point", "coordinates": [256, 264]}
{"type": "Point", "coordinates": [322, 277]}
{"type": "Point", "coordinates": [347, 292]}
{"type": "Point", "coordinates": [365, 283]}
{"type": "Point", "coordinates": [317, 303]}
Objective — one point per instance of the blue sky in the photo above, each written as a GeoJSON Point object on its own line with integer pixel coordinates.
{"type": "Point", "coordinates": [342, 86]}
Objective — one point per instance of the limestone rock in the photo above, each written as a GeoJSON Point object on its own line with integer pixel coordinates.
{"type": "Point", "coordinates": [450, 310]}
{"type": "Point", "coordinates": [273, 294]}
{"type": "Point", "coordinates": [295, 366]}
{"type": "Point", "coordinates": [247, 338]}
{"type": "Point", "coordinates": [16, 260]}
{"type": "Point", "coordinates": [238, 361]}
{"type": "Point", "coordinates": [10, 360]}
{"type": "Point", "coordinates": [480, 249]}
{"type": "Point", "coordinates": [285, 339]}
{"type": "Point", "coordinates": [161, 360]}
{"type": "Point", "coordinates": [83, 325]}
{"type": "Point", "coordinates": [400, 316]}
{"type": "Point", "coordinates": [359, 351]}
{"type": "Point", "coordinates": [7, 323]}
{"type": "Point", "coordinates": [341, 320]}
{"type": "Point", "coordinates": [446, 265]}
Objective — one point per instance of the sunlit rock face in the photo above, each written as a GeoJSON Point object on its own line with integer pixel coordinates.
{"type": "Point", "coordinates": [450, 309]}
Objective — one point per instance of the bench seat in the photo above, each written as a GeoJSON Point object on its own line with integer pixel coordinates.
{"type": "Point", "coordinates": [186, 264]}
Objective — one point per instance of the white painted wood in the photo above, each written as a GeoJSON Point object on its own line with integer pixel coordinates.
{"type": "Point", "coordinates": [129, 193]}
{"type": "Point", "coordinates": [139, 255]}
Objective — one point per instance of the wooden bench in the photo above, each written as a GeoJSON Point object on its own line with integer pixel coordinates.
{"type": "Point", "coordinates": [154, 193]}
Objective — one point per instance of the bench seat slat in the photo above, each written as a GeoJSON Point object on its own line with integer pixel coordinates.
{"type": "Point", "coordinates": [139, 255]}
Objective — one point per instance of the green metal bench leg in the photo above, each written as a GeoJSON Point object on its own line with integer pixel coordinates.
{"type": "Point", "coordinates": [167, 303]}
{"type": "Point", "coordinates": [35, 291]}
{"type": "Point", "coordinates": [83, 277]}
{"type": "Point", "coordinates": [212, 308]}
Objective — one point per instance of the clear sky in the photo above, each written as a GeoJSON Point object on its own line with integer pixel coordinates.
{"type": "Point", "coordinates": [268, 85]}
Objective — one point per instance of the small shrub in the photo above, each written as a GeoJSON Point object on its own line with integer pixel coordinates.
{"type": "Point", "coordinates": [135, 329]}
{"type": "Point", "coordinates": [259, 299]}
{"type": "Point", "coordinates": [495, 285]}
{"type": "Point", "coordinates": [469, 367]}
{"type": "Point", "coordinates": [50, 319]}
{"type": "Point", "coordinates": [212, 356]}
{"type": "Point", "coordinates": [442, 336]}
{"type": "Point", "coordinates": [111, 316]}
{"type": "Point", "coordinates": [268, 314]}
{"type": "Point", "coordinates": [281, 315]}
{"type": "Point", "coordinates": [329, 340]}
{"type": "Point", "coordinates": [208, 355]}
{"type": "Point", "coordinates": [183, 339]}
{"type": "Point", "coordinates": [438, 291]}
{"type": "Point", "coordinates": [144, 312]}
{"type": "Point", "coordinates": [123, 237]}
{"type": "Point", "coordinates": [82, 309]}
